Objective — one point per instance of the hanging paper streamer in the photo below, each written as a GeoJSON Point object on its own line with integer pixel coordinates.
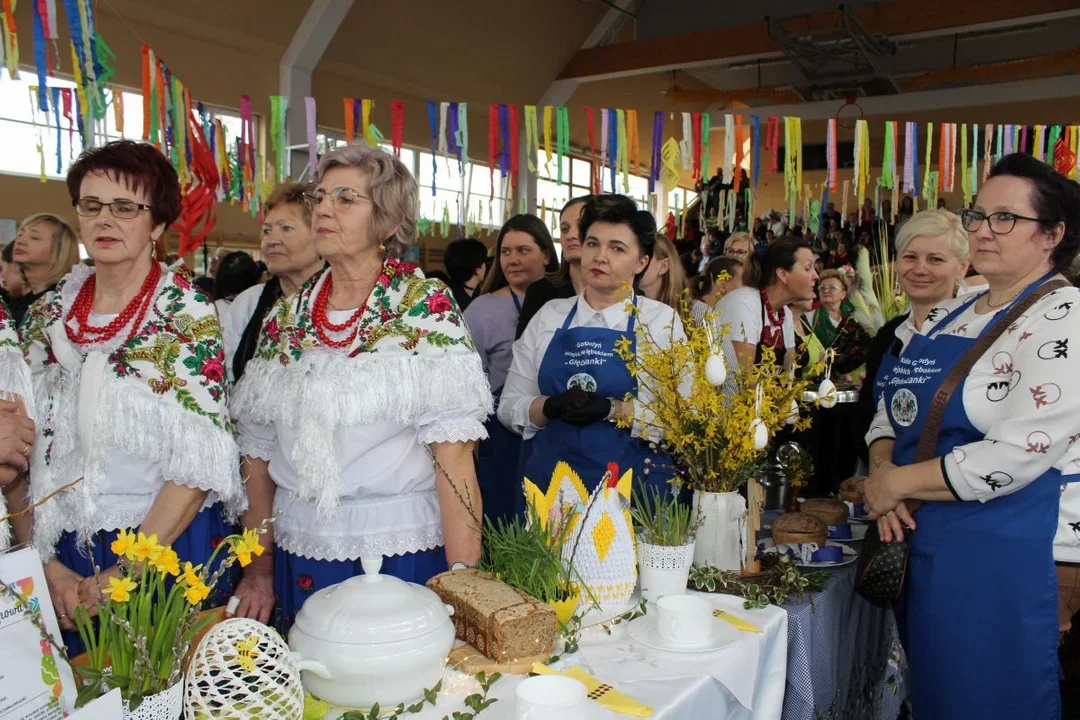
{"type": "Point", "coordinates": [951, 159]}
{"type": "Point", "coordinates": [605, 136]}
{"type": "Point", "coordinates": [613, 144]}
{"type": "Point", "coordinates": [493, 144]}
{"type": "Point", "coordinates": [772, 143]}
{"type": "Point", "coordinates": [965, 171]}
{"type": "Point", "coordinates": [633, 139]}
{"type": "Point", "coordinates": [1074, 142]}
{"type": "Point", "coordinates": [461, 137]}
{"type": "Point", "coordinates": [792, 162]}
{"type": "Point", "coordinates": [1040, 142]}
{"type": "Point", "coordinates": [504, 140]}
{"type": "Point", "coordinates": [1000, 142]}
{"type": "Point", "coordinates": [59, 132]}
{"type": "Point", "coordinates": [532, 137]}
{"type": "Point", "coordinates": [40, 63]}
{"type": "Point", "coordinates": [433, 126]}
{"type": "Point", "coordinates": [397, 126]}
{"type": "Point", "coordinates": [514, 148]}
{"type": "Point", "coordinates": [736, 181]}
{"type": "Point", "coordinates": [656, 156]}
{"type": "Point", "coordinates": [590, 123]}
{"type": "Point", "coordinates": [279, 105]}
{"type": "Point", "coordinates": [452, 135]}
{"type": "Point", "coordinates": [927, 188]}
{"type": "Point", "coordinates": [669, 173]}
{"type": "Point", "coordinates": [706, 123]}
{"type": "Point", "coordinates": [444, 141]}
{"type": "Point", "coordinates": [1008, 141]}
{"type": "Point", "coordinates": [118, 111]}
{"type": "Point", "coordinates": [444, 226]}
{"type": "Point", "coordinates": [10, 39]}
{"type": "Point", "coordinates": [372, 135]}
{"type": "Point", "coordinates": [887, 158]}
{"type": "Point", "coordinates": [862, 158]}
{"type": "Point", "coordinates": [909, 158]}
{"type": "Point", "coordinates": [562, 138]}
{"type": "Point", "coordinates": [695, 122]}
{"type": "Point", "coordinates": [986, 155]}
{"type": "Point", "coordinates": [197, 211]}
{"type": "Point", "coordinates": [729, 146]}
{"type": "Point", "coordinates": [830, 153]}
{"type": "Point", "coordinates": [312, 134]}
{"type": "Point", "coordinates": [686, 144]}
{"type": "Point", "coordinates": [974, 174]}
{"type": "Point", "coordinates": [843, 205]}
{"type": "Point", "coordinates": [548, 116]}
{"type": "Point", "coordinates": [621, 163]}
{"type": "Point", "coordinates": [1023, 138]}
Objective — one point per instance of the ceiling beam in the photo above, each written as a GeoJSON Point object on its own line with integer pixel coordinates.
{"type": "Point", "coordinates": [308, 44]}
{"type": "Point", "coordinates": [900, 105]}
{"type": "Point", "coordinates": [910, 19]}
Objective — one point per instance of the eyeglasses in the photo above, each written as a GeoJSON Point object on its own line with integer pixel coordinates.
{"type": "Point", "coordinates": [830, 288]}
{"type": "Point", "coordinates": [120, 209]}
{"type": "Point", "coordinates": [1001, 223]}
{"type": "Point", "coordinates": [741, 252]}
{"type": "Point", "coordinates": [342, 199]}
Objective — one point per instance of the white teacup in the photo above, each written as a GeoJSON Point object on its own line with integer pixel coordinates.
{"type": "Point", "coordinates": [551, 697]}
{"type": "Point", "coordinates": [685, 620]}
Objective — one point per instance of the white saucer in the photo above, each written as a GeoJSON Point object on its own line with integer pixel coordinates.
{"type": "Point", "coordinates": [858, 532]}
{"type": "Point", "coordinates": [644, 631]}
{"type": "Point", "coordinates": [850, 555]}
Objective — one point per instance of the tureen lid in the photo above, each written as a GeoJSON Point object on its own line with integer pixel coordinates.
{"type": "Point", "coordinates": [372, 608]}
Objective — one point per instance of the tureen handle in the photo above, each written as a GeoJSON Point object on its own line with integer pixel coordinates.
{"type": "Point", "coordinates": [372, 564]}
{"type": "Point", "coordinates": [312, 666]}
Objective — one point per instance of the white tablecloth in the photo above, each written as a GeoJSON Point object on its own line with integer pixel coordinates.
{"type": "Point", "coordinates": [741, 681]}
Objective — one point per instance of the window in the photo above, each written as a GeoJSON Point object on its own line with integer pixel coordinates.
{"type": "Point", "coordinates": [463, 198]}
{"type": "Point", "coordinates": [22, 124]}
{"type": "Point", "coordinates": [550, 195]}
{"type": "Point", "coordinates": [680, 198]}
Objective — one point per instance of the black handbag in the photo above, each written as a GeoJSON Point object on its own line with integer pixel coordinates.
{"type": "Point", "coordinates": [882, 567]}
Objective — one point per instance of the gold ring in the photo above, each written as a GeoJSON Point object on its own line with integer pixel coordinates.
{"type": "Point", "coordinates": [26, 450]}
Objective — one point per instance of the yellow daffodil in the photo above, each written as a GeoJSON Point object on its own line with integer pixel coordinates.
{"type": "Point", "coordinates": [145, 548]}
{"type": "Point", "coordinates": [120, 589]}
{"type": "Point", "coordinates": [196, 593]}
{"type": "Point", "coordinates": [246, 546]}
{"type": "Point", "coordinates": [191, 574]}
{"type": "Point", "coordinates": [167, 562]}
{"type": "Point", "coordinates": [121, 546]}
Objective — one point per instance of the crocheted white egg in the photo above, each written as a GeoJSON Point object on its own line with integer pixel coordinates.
{"type": "Point", "coordinates": [243, 669]}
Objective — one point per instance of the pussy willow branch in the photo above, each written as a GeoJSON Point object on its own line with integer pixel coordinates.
{"type": "Point", "coordinates": [465, 500]}
{"type": "Point", "coordinates": [42, 501]}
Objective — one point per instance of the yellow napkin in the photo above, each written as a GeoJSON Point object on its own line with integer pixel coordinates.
{"type": "Point", "coordinates": [602, 693]}
{"type": "Point", "coordinates": [736, 621]}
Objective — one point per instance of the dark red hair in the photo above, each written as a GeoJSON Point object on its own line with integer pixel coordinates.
{"type": "Point", "coordinates": [141, 167]}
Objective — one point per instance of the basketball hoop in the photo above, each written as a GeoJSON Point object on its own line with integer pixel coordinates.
{"type": "Point", "coordinates": [848, 114]}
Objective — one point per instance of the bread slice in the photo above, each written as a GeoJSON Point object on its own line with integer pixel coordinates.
{"type": "Point", "coordinates": [499, 621]}
{"type": "Point", "coordinates": [799, 527]}
{"type": "Point", "coordinates": [831, 510]}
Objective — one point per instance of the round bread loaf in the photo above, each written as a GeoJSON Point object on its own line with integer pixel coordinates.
{"type": "Point", "coordinates": [852, 489]}
{"type": "Point", "coordinates": [799, 527]}
{"type": "Point", "coordinates": [831, 510]}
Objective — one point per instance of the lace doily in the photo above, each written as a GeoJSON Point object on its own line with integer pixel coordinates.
{"type": "Point", "coordinates": [167, 705]}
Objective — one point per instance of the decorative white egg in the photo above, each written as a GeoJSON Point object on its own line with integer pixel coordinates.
{"type": "Point", "coordinates": [826, 393]}
{"type": "Point", "coordinates": [793, 414]}
{"type": "Point", "coordinates": [715, 370]}
{"type": "Point", "coordinates": [243, 669]}
{"type": "Point", "coordinates": [760, 434]}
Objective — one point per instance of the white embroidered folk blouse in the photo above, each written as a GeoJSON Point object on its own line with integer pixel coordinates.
{"type": "Point", "coordinates": [1024, 395]}
{"type": "Point", "coordinates": [522, 382]}
{"type": "Point", "coordinates": [14, 381]}
{"type": "Point", "coordinates": [128, 414]}
{"type": "Point", "coordinates": [346, 431]}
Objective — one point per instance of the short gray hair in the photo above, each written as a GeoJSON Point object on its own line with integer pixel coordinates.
{"type": "Point", "coordinates": [395, 195]}
{"type": "Point", "coordinates": [935, 223]}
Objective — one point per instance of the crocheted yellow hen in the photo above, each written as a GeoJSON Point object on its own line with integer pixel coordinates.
{"type": "Point", "coordinates": [600, 531]}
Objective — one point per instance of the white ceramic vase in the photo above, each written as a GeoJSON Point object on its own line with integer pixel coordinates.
{"type": "Point", "coordinates": [165, 705]}
{"type": "Point", "coordinates": [721, 539]}
{"type": "Point", "coordinates": [663, 569]}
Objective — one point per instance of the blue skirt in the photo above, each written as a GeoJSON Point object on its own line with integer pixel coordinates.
{"type": "Point", "coordinates": [297, 577]}
{"type": "Point", "coordinates": [195, 545]}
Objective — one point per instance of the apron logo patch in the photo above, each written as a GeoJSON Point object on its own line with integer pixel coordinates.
{"type": "Point", "coordinates": [904, 406]}
{"type": "Point", "coordinates": [584, 381]}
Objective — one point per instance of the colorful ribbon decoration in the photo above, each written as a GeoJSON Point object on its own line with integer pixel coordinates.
{"type": "Point", "coordinates": [686, 145]}
{"type": "Point", "coordinates": [1040, 142]}
{"type": "Point", "coordinates": [633, 147]}
{"type": "Point", "coordinates": [669, 172]}
{"type": "Point", "coordinates": [695, 129]}
{"type": "Point", "coordinates": [772, 142]}
{"type": "Point", "coordinates": [605, 121]}
{"type": "Point", "coordinates": [729, 146]}
{"type": "Point", "coordinates": [433, 126]}
{"type": "Point", "coordinates": [613, 143]}
{"type": "Point", "coordinates": [965, 171]}
{"type": "Point", "coordinates": [927, 189]}
{"type": "Point", "coordinates": [830, 153]}
{"type": "Point", "coordinates": [590, 123]}
{"type": "Point", "coordinates": [755, 147]}
{"type": "Point", "coordinates": [397, 126]}
{"type": "Point", "coordinates": [59, 131]}
{"type": "Point", "coordinates": [973, 177]}
{"type": "Point", "coordinates": [493, 144]}
{"type": "Point", "coordinates": [532, 138]}
{"type": "Point", "coordinates": [548, 115]}
{"type": "Point", "coordinates": [279, 108]}
{"type": "Point", "coordinates": [621, 163]}
{"type": "Point", "coordinates": [562, 137]}
{"type": "Point", "coordinates": [462, 135]}
{"type": "Point", "coordinates": [514, 150]}
{"type": "Point", "coordinates": [9, 36]}
{"type": "Point", "coordinates": [656, 155]}
{"type": "Point", "coordinates": [888, 159]}
{"type": "Point", "coordinates": [736, 181]}
{"type": "Point", "coordinates": [989, 134]}
{"type": "Point", "coordinates": [706, 123]}
{"type": "Point", "coordinates": [444, 141]}
{"type": "Point", "coordinates": [862, 158]}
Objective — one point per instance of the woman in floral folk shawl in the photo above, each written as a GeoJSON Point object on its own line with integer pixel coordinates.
{"type": "Point", "coordinates": [360, 379]}
{"type": "Point", "coordinates": [128, 371]}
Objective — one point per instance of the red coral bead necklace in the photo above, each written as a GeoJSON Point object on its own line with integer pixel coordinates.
{"type": "Point", "coordinates": [136, 308]}
{"type": "Point", "coordinates": [322, 323]}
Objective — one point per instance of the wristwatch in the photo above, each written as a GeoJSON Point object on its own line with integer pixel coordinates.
{"type": "Point", "coordinates": [461, 566]}
{"type": "Point", "coordinates": [611, 411]}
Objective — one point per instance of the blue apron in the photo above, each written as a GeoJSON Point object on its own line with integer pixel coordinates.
{"type": "Point", "coordinates": [497, 462]}
{"type": "Point", "coordinates": [980, 604]}
{"type": "Point", "coordinates": [585, 357]}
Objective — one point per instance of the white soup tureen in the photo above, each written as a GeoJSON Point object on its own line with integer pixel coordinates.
{"type": "Point", "coordinates": [372, 639]}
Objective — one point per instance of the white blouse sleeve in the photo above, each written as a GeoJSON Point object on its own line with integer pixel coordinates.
{"type": "Point", "coordinates": [1031, 400]}
{"type": "Point", "coordinates": [742, 315]}
{"type": "Point", "coordinates": [523, 380]}
{"type": "Point", "coordinates": [880, 427]}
